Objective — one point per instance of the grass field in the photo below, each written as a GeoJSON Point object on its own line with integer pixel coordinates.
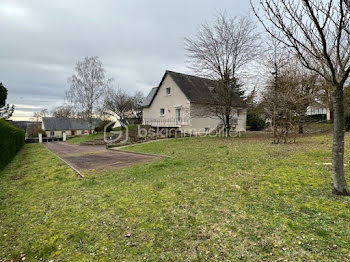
{"type": "Point", "coordinates": [213, 199]}
{"type": "Point", "coordinates": [85, 138]}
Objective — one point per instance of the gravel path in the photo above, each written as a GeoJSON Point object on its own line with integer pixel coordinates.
{"type": "Point", "coordinates": [96, 158]}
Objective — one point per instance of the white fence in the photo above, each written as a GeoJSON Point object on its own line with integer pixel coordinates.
{"type": "Point", "coordinates": [166, 122]}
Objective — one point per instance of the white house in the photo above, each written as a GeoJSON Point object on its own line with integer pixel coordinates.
{"type": "Point", "coordinates": [318, 109]}
{"type": "Point", "coordinates": [179, 100]}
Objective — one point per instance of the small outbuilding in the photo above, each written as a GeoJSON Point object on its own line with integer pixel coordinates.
{"type": "Point", "coordinates": [55, 127]}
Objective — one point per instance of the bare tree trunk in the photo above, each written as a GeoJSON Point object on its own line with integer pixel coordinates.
{"type": "Point", "coordinates": [274, 125]}
{"type": "Point", "coordinates": [331, 113]}
{"type": "Point", "coordinates": [227, 126]}
{"type": "Point", "coordinates": [90, 119]}
{"type": "Point", "coordinates": [339, 182]}
{"type": "Point", "coordinates": [301, 125]}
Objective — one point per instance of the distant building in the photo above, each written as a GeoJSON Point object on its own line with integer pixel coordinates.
{"type": "Point", "coordinates": [22, 124]}
{"type": "Point", "coordinates": [55, 127]}
{"type": "Point", "coordinates": [318, 109]}
{"type": "Point", "coordinates": [25, 125]}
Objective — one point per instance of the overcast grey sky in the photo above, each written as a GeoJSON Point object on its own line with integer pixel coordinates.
{"type": "Point", "coordinates": [137, 41]}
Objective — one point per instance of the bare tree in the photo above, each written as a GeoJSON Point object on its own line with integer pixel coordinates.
{"type": "Point", "coordinates": [307, 91]}
{"type": "Point", "coordinates": [318, 32]}
{"type": "Point", "coordinates": [88, 86]}
{"type": "Point", "coordinates": [119, 103]}
{"type": "Point", "coordinates": [38, 116]}
{"type": "Point", "coordinates": [275, 61]}
{"type": "Point", "coordinates": [63, 111]}
{"type": "Point", "coordinates": [287, 102]}
{"type": "Point", "coordinates": [220, 51]}
{"type": "Point", "coordinates": [283, 115]}
{"type": "Point", "coordinates": [33, 130]}
{"type": "Point", "coordinates": [138, 99]}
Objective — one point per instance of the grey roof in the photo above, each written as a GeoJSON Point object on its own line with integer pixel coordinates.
{"type": "Point", "coordinates": [147, 101]}
{"type": "Point", "coordinates": [58, 124]}
{"type": "Point", "coordinates": [23, 124]}
{"type": "Point", "coordinates": [196, 89]}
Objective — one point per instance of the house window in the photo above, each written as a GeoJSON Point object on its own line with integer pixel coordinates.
{"type": "Point", "coordinates": [178, 115]}
{"type": "Point", "coordinates": [52, 133]}
{"type": "Point", "coordinates": [168, 91]}
{"type": "Point", "coordinates": [73, 133]}
{"type": "Point", "coordinates": [162, 111]}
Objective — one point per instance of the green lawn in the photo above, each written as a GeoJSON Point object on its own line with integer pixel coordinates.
{"type": "Point", "coordinates": [213, 199]}
{"type": "Point", "coordinates": [86, 138]}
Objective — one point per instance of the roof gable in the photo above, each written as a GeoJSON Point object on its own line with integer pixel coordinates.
{"type": "Point", "coordinates": [23, 124]}
{"type": "Point", "coordinates": [196, 89]}
{"type": "Point", "coordinates": [148, 100]}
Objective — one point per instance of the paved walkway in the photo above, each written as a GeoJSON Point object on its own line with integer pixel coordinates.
{"type": "Point", "coordinates": [96, 158]}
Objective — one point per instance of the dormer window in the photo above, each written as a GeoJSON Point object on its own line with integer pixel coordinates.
{"type": "Point", "coordinates": [168, 91]}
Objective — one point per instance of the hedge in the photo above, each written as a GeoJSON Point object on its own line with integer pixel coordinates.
{"type": "Point", "coordinates": [11, 141]}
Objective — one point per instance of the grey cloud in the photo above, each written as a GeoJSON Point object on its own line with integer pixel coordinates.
{"type": "Point", "coordinates": [136, 40]}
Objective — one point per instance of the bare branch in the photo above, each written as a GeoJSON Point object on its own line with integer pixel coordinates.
{"type": "Point", "coordinates": [88, 86]}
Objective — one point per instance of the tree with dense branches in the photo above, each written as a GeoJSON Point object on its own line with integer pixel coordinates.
{"type": "Point", "coordinates": [88, 86]}
{"type": "Point", "coordinates": [63, 111]}
{"type": "Point", "coordinates": [119, 103]}
{"type": "Point", "coordinates": [318, 33]}
{"type": "Point", "coordinates": [220, 51]}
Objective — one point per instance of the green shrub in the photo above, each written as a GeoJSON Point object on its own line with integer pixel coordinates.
{"type": "Point", "coordinates": [316, 118]}
{"type": "Point", "coordinates": [255, 122]}
{"type": "Point", "coordinates": [11, 141]}
{"type": "Point", "coordinates": [101, 126]}
{"type": "Point", "coordinates": [347, 122]}
{"type": "Point", "coordinates": [33, 130]}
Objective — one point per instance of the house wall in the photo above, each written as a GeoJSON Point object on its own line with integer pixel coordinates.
{"type": "Point", "coordinates": [200, 119]}
{"type": "Point", "coordinates": [316, 110]}
{"type": "Point", "coordinates": [68, 133]}
{"type": "Point", "coordinates": [56, 134]}
{"type": "Point", "coordinates": [169, 102]}
{"type": "Point", "coordinates": [193, 120]}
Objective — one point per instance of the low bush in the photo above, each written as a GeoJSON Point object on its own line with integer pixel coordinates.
{"type": "Point", "coordinates": [33, 130]}
{"type": "Point", "coordinates": [255, 122]}
{"type": "Point", "coordinates": [11, 141]}
{"type": "Point", "coordinates": [316, 118]}
{"type": "Point", "coordinates": [101, 126]}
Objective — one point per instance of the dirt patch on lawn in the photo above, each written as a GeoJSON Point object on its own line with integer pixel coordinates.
{"type": "Point", "coordinates": [96, 158]}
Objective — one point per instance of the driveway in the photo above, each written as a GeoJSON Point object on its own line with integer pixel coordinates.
{"type": "Point", "coordinates": [96, 158]}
